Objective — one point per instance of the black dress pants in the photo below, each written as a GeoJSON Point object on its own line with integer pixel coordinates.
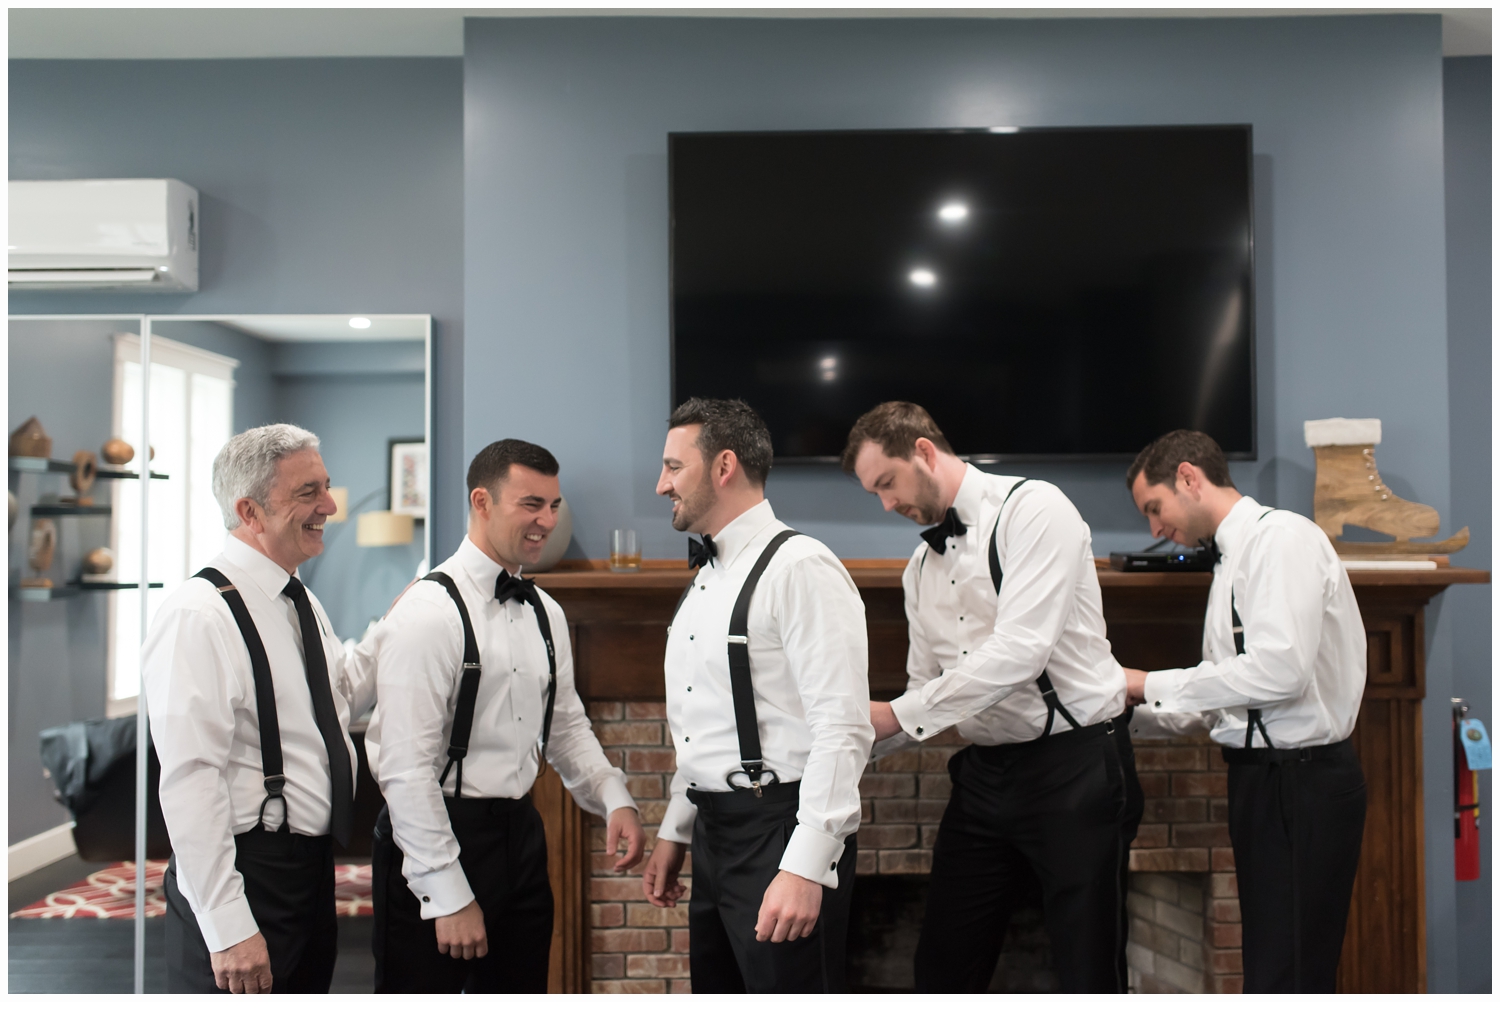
{"type": "Point", "coordinates": [1296, 825]}
{"type": "Point", "coordinates": [289, 885]}
{"type": "Point", "coordinates": [503, 851]}
{"type": "Point", "coordinates": [1052, 818]}
{"type": "Point", "coordinates": [738, 842]}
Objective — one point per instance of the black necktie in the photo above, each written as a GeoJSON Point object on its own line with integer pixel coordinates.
{"type": "Point", "coordinates": [701, 553]}
{"type": "Point", "coordinates": [508, 587]}
{"type": "Point", "coordinates": [937, 537]}
{"type": "Point", "coordinates": [324, 713]}
{"type": "Point", "coordinates": [1211, 546]}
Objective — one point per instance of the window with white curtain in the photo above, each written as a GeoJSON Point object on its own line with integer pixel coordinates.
{"type": "Point", "coordinates": [192, 416]}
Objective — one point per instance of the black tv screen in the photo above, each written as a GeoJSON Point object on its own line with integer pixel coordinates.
{"type": "Point", "coordinates": [1045, 293]}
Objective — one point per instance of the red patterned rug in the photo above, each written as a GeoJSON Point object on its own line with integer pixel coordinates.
{"type": "Point", "coordinates": [109, 894]}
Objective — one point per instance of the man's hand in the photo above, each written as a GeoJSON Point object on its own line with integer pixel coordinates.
{"type": "Point", "coordinates": [659, 879]}
{"type": "Point", "coordinates": [243, 967]}
{"type": "Point", "coordinates": [883, 718]}
{"type": "Point", "coordinates": [461, 934]}
{"type": "Point", "coordinates": [1135, 687]}
{"type": "Point", "coordinates": [790, 908]}
{"type": "Point", "coordinates": [625, 825]}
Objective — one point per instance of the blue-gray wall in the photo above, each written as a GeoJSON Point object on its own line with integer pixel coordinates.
{"type": "Point", "coordinates": [565, 204]}
{"type": "Point", "coordinates": [327, 186]}
{"type": "Point", "coordinates": [1466, 141]}
{"type": "Point", "coordinates": [254, 384]}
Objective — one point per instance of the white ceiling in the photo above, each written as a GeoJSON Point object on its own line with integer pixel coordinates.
{"type": "Point", "coordinates": [179, 33]}
{"type": "Point", "coordinates": [324, 327]}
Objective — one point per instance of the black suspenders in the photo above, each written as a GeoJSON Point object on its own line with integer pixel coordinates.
{"type": "Point", "coordinates": [265, 696]}
{"type": "Point", "coordinates": [468, 688]}
{"type": "Point", "coordinates": [1043, 682]}
{"type": "Point", "coordinates": [741, 687]}
{"type": "Point", "coordinates": [1252, 716]}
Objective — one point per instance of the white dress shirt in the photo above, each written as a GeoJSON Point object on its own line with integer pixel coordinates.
{"type": "Point", "coordinates": [1305, 646]}
{"type": "Point", "coordinates": [419, 650]}
{"type": "Point", "coordinates": [200, 692]}
{"type": "Point", "coordinates": [809, 664]}
{"type": "Point", "coordinates": [974, 658]}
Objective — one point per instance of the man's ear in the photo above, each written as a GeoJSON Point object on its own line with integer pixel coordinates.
{"type": "Point", "coordinates": [926, 451]}
{"type": "Point", "coordinates": [725, 465]}
{"type": "Point", "coordinates": [480, 501]}
{"type": "Point", "coordinates": [1187, 478]}
{"type": "Point", "coordinates": [249, 512]}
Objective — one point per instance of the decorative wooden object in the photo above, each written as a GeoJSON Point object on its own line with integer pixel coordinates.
{"type": "Point", "coordinates": [117, 452]}
{"type": "Point", "coordinates": [618, 625]}
{"type": "Point", "coordinates": [40, 551]}
{"type": "Point", "coordinates": [31, 439]}
{"type": "Point", "coordinates": [85, 471]}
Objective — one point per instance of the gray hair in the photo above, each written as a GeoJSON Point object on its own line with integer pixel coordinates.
{"type": "Point", "coordinates": [246, 466]}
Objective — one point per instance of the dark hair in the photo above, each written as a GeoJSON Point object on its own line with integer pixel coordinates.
{"type": "Point", "coordinates": [731, 425]}
{"type": "Point", "coordinates": [896, 425]}
{"type": "Point", "coordinates": [492, 464]}
{"type": "Point", "coordinates": [1159, 461]}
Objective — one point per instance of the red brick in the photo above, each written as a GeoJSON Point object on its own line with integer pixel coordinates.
{"type": "Point", "coordinates": [652, 811]}
{"type": "Point", "coordinates": [605, 711]}
{"type": "Point", "coordinates": [616, 890]}
{"type": "Point", "coordinates": [1218, 810]}
{"type": "Point", "coordinates": [629, 940]}
{"type": "Point", "coordinates": [645, 710]}
{"type": "Point", "coordinates": [1224, 911]}
{"type": "Point", "coordinates": [936, 759]}
{"type": "Point", "coordinates": [615, 757]}
{"type": "Point", "coordinates": [658, 966]}
{"type": "Point", "coordinates": [867, 862]}
{"type": "Point", "coordinates": [596, 838]}
{"type": "Point", "coordinates": [628, 733]}
{"type": "Point", "coordinates": [949, 738]}
{"type": "Point", "coordinates": [930, 812]}
{"type": "Point", "coordinates": [1227, 935]}
{"type": "Point", "coordinates": [1227, 984]}
{"type": "Point", "coordinates": [603, 864]}
{"type": "Point", "coordinates": [1216, 761]}
{"type": "Point", "coordinates": [1200, 835]}
{"type": "Point", "coordinates": [1225, 962]}
{"type": "Point", "coordinates": [1153, 837]}
{"type": "Point", "coordinates": [1223, 858]}
{"type": "Point", "coordinates": [895, 812]}
{"type": "Point", "coordinates": [1169, 860]}
{"type": "Point", "coordinates": [1200, 784]}
{"type": "Point", "coordinates": [906, 862]}
{"type": "Point", "coordinates": [681, 986]}
{"type": "Point", "coordinates": [643, 914]}
{"type": "Point", "coordinates": [607, 914]}
{"type": "Point", "coordinates": [645, 787]}
{"type": "Point", "coordinates": [935, 786]}
{"type": "Point", "coordinates": [1170, 759]}
{"type": "Point", "coordinates": [1178, 810]}
{"type": "Point", "coordinates": [899, 761]}
{"type": "Point", "coordinates": [929, 836]}
{"type": "Point", "coordinates": [650, 760]}
{"type": "Point", "coordinates": [608, 966]}
{"type": "Point", "coordinates": [629, 986]}
{"type": "Point", "coordinates": [680, 940]}
{"type": "Point", "coordinates": [1155, 784]}
{"type": "Point", "coordinates": [866, 810]}
{"type": "Point", "coordinates": [877, 784]}
{"type": "Point", "coordinates": [1224, 886]}
{"type": "Point", "coordinates": [887, 837]}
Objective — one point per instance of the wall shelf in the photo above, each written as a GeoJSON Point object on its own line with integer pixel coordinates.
{"type": "Point", "coordinates": [64, 509]}
{"type": "Point", "coordinates": [38, 594]}
{"type": "Point", "coordinates": [38, 465]}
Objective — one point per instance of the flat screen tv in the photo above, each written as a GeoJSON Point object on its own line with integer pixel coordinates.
{"type": "Point", "coordinates": [1045, 293]}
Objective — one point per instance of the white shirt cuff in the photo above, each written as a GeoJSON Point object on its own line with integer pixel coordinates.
{"type": "Point", "coordinates": [443, 892]}
{"type": "Point", "coordinates": [1161, 690]}
{"type": "Point", "coordinates": [677, 823]}
{"type": "Point", "coordinates": [613, 794]}
{"type": "Point", "coordinates": [913, 718]}
{"type": "Point", "coordinates": [813, 855]}
{"type": "Point", "coordinates": [228, 925]}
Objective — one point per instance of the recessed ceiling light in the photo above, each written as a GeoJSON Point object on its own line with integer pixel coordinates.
{"type": "Point", "coordinates": [828, 363]}
{"type": "Point", "coordinates": [953, 212]}
{"type": "Point", "coordinates": [1005, 129]}
{"type": "Point", "coordinates": [359, 322]}
{"type": "Point", "coordinates": [923, 278]}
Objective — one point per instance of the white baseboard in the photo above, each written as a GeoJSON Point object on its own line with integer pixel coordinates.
{"type": "Point", "coordinates": [40, 850]}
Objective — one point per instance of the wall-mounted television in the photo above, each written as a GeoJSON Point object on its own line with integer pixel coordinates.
{"type": "Point", "coordinates": [1048, 293]}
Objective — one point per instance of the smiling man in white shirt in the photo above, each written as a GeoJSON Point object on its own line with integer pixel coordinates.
{"type": "Point", "coordinates": [767, 701]}
{"type": "Point", "coordinates": [1283, 673]}
{"type": "Point", "coordinates": [250, 694]}
{"type": "Point", "coordinates": [1007, 643]}
{"type": "Point", "coordinates": [476, 692]}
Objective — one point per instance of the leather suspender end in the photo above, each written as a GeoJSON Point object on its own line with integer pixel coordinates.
{"type": "Point", "coordinates": [275, 785]}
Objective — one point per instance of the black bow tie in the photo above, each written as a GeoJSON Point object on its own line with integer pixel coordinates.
{"type": "Point", "coordinates": [701, 553]}
{"type": "Point", "coordinates": [508, 587]}
{"type": "Point", "coordinates": [937, 537]}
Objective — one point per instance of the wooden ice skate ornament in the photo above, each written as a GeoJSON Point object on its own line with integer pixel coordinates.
{"type": "Point", "coordinates": [1349, 491]}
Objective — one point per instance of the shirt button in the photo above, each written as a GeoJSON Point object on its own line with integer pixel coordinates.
{"type": "Point", "coordinates": [686, 739]}
{"type": "Point", "coordinates": [966, 652]}
{"type": "Point", "coordinates": [960, 617]}
{"type": "Point", "coordinates": [1157, 703]}
{"type": "Point", "coordinates": [690, 638]}
{"type": "Point", "coordinates": [919, 730]}
{"type": "Point", "coordinates": [426, 899]}
{"type": "Point", "coordinates": [833, 866]}
{"type": "Point", "coordinates": [690, 687]}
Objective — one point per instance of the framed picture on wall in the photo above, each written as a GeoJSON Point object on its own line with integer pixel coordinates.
{"type": "Point", "coordinates": [407, 477]}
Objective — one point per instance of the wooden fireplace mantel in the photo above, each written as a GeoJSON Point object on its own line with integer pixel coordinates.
{"type": "Point", "coordinates": [618, 626]}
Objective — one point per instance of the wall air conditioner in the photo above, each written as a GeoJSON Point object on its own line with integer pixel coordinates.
{"type": "Point", "coordinates": [103, 234]}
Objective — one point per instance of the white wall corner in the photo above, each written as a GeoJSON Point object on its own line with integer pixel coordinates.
{"type": "Point", "coordinates": [40, 850]}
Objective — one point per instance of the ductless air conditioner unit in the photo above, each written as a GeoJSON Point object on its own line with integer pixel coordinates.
{"type": "Point", "coordinates": [102, 234]}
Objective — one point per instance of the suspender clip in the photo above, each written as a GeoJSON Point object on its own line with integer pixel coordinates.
{"type": "Point", "coordinates": [737, 640]}
{"type": "Point", "coordinates": [457, 751]}
{"type": "Point", "coordinates": [275, 785]}
{"type": "Point", "coordinates": [471, 666]}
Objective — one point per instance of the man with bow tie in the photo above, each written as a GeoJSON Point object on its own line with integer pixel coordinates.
{"type": "Point", "coordinates": [475, 686]}
{"type": "Point", "coordinates": [1007, 643]}
{"type": "Point", "coordinates": [767, 700]}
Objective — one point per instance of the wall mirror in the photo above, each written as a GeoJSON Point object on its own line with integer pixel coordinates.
{"type": "Point", "coordinates": [84, 525]}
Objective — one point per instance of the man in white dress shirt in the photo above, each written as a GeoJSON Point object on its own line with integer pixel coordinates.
{"type": "Point", "coordinates": [1283, 672]}
{"type": "Point", "coordinates": [462, 900]}
{"type": "Point", "coordinates": [250, 694]}
{"type": "Point", "coordinates": [1007, 643]}
{"type": "Point", "coordinates": [767, 701]}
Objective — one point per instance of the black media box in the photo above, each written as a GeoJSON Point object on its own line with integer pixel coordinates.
{"type": "Point", "coordinates": [1180, 560]}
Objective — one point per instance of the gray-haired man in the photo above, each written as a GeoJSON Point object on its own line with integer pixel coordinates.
{"type": "Point", "coordinates": [250, 693]}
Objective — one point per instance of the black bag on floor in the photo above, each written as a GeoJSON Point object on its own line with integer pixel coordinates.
{"type": "Point", "coordinates": [91, 765]}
